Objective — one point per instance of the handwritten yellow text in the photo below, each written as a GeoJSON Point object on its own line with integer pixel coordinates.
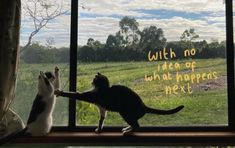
{"type": "Point", "coordinates": [175, 89]}
{"type": "Point", "coordinates": [161, 55]}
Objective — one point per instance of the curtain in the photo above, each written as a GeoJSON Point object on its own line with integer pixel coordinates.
{"type": "Point", "coordinates": [10, 11]}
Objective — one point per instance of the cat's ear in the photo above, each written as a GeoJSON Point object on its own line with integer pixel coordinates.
{"type": "Point", "coordinates": [98, 74]}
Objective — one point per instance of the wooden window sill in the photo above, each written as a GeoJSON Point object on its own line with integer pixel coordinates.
{"type": "Point", "coordinates": [140, 138]}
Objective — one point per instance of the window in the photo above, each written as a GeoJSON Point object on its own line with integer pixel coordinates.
{"type": "Point", "coordinates": [49, 47]}
{"type": "Point", "coordinates": [193, 71]}
{"type": "Point", "coordinates": [192, 34]}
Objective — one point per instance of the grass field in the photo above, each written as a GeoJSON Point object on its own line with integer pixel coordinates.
{"type": "Point", "coordinates": [207, 105]}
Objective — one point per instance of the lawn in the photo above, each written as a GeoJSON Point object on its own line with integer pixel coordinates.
{"type": "Point", "coordinates": [206, 105]}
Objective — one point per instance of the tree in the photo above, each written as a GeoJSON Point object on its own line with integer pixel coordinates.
{"type": "Point", "coordinates": [129, 27]}
{"type": "Point", "coordinates": [95, 44]}
{"type": "Point", "coordinates": [36, 53]}
{"type": "Point", "coordinates": [152, 38]}
{"type": "Point", "coordinates": [62, 54]}
{"type": "Point", "coordinates": [86, 54]}
{"type": "Point", "coordinates": [214, 50]}
{"type": "Point", "coordinates": [41, 12]}
{"type": "Point", "coordinates": [50, 42]}
{"type": "Point", "coordinates": [120, 40]}
{"type": "Point", "coordinates": [176, 46]}
{"type": "Point", "coordinates": [90, 42]}
{"type": "Point", "coordinates": [199, 46]}
{"type": "Point", "coordinates": [111, 41]}
{"type": "Point", "coordinates": [187, 37]}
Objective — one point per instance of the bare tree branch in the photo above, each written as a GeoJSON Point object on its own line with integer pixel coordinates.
{"type": "Point", "coordinates": [41, 12]}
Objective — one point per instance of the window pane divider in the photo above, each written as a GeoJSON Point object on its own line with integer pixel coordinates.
{"type": "Point", "coordinates": [230, 63]}
{"type": "Point", "coordinates": [73, 61]}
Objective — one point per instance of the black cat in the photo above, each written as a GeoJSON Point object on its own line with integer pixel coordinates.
{"type": "Point", "coordinates": [116, 98]}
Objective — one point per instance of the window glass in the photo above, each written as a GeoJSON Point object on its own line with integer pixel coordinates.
{"type": "Point", "coordinates": [171, 53]}
{"type": "Point", "coordinates": [48, 48]}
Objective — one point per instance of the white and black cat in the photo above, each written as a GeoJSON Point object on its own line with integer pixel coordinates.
{"type": "Point", "coordinates": [116, 98]}
{"type": "Point", "coordinates": [40, 119]}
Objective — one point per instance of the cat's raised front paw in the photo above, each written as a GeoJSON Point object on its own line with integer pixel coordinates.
{"type": "Point", "coordinates": [56, 69]}
{"type": "Point", "coordinates": [57, 92]}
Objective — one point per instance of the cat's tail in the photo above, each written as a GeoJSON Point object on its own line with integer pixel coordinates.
{"type": "Point", "coordinates": [163, 112]}
{"type": "Point", "coordinates": [12, 136]}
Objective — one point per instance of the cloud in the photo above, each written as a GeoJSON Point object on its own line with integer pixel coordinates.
{"type": "Point", "coordinates": [174, 27]}
{"type": "Point", "coordinates": [99, 19]}
{"type": "Point", "coordinates": [98, 28]}
{"type": "Point", "coordinates": [109, 8]}
{"type": "Point", "coordinates": [128, 7]}
{"type": "Point", "coordinates": [193, 6]}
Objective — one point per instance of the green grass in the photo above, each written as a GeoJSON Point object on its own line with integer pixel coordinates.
{"type": "Point", "coordinates": [201, 107]}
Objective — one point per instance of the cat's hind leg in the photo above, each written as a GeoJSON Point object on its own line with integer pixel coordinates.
{"type": "Point", "coordinates": [126, 128]}
{"type": "Point", "coordinates": [103, 113]}
{"type": "Point", "coordinates": [134, 125]}
{"type": "Point", "coordinates": [133, 128]}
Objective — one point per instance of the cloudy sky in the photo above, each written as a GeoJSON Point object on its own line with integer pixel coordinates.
{"type": "Point", "coordinates": [99, 18]}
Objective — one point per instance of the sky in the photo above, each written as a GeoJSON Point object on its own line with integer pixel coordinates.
{"type": "Point", "coordinates": [99, 18]}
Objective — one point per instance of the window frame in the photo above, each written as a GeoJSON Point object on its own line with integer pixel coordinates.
{"type": "Point", "coordinates": [73, 82]}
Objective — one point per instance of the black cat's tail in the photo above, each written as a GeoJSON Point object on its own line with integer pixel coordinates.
{"type": "Point", "coordinates": [12, 136]}
{"type": "Point", "coordinates": [163, 112]}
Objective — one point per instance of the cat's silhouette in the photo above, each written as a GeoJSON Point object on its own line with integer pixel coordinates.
{"type": "Point", "coordinates": [117, 98]}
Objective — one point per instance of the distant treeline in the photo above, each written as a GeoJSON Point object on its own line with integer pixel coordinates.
{"type": "Point", "coordinates": [128, 44]}
{"type": "Point", "coordinates": [40, 54]}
